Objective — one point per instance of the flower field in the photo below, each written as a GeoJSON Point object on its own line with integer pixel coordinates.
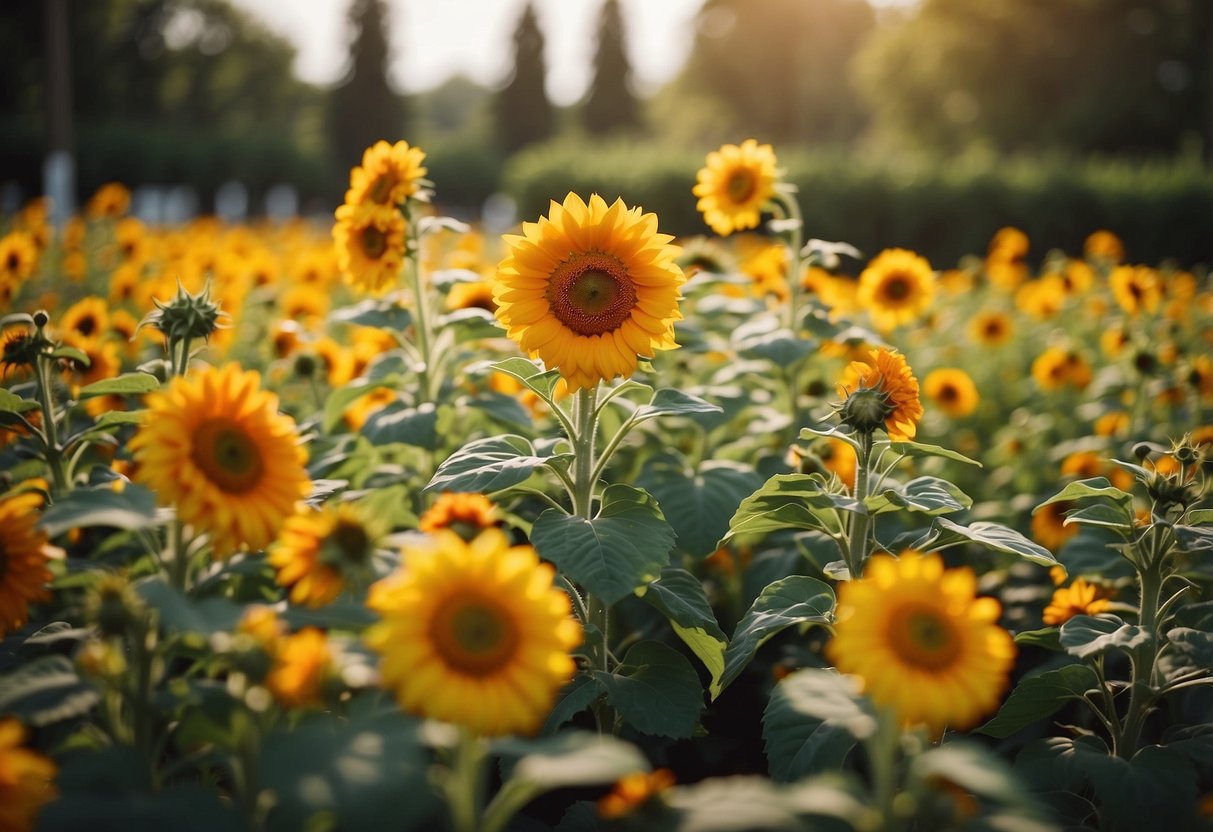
{"type": "Point", "coordinates": [388, 523]}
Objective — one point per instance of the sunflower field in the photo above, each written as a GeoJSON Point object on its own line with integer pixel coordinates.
{"type": "Point", "coordinates": [387, 523]}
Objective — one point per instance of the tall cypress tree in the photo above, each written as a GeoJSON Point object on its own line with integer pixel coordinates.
{"type": "Point", "coordinates": [611, 105]}
{"type": "Point", "coordinates": [523, 112]}
{"type": "Point", "coordinates": [364, 108]}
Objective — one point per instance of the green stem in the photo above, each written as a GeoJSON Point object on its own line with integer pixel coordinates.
{"type": "Point", "coordinates": [143, 651]}
{"type": "Point", "coordinates": [882, 757]}
{"type": "Point", "coordinates": [857, 543]}
{"type": "Point", "coordinates": [60, 484]}
{"type": "Point", "coordinates": [180, 560]}
{"type": "Point", "coordinates": [464, 790]}
{"type": "Point", "coordinates": [421, 302]}
{"type": "Point", "coordinates": [1141, 691]}
{"type": "Point", "coordinates": [796, 261]}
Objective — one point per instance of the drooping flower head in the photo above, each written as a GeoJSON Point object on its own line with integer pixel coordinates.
{"type": "Point", "coordinates": [215, 446]}
{"type": "Point", "coordinates": [589, 288]}
{"type": "Point", "coordinates": [896, 288]}
{"type": "Point", "coordinates": [921, 642]}
{"type": "Point", "coordinates": [884, 375]}
{"type": "Point", "coordinates": [319, 552]}
{"type": "Point", "coordinates": [735, 185]}
{"type": "Point", "coordinates": [24, 554]}
{"type": "Point", "coordinates": [474, 633]}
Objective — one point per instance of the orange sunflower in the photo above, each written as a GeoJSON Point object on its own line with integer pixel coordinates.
{"type": "Point", "coordinates": [896, 288]}
{"type": "Point", "coordinates": [389, 174]}
{"type": "Point", "coordinates": [735, 185]}
{"type": "Point", "coordinates": [887, 372]}
{"type": "Point", "coordinates": [24, 554]}
{"type": "Point", "coordinates": [589, 288]}
{"type": "Point", "coordinates": [369, 238]}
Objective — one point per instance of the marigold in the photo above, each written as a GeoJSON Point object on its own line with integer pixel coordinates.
{"type": "Point", "coordinates": [26, 779]}
{"type": "Point", "coordinates": [952, 390]}
{"type": "Point", "coordinates": [24, 554]}
{"type": "Point", "coordinates": [589, 288]}
{"type": "Point", "coordinates": [1080, 598]}
{"type": "Point", "coordinates": [896, 288]}
{"type": "Point", "coordinates": [474, 633]}
{"type": "Point", "coordinates": [887, 371]}
{"type": "Point", "coordinates": [215, 446]}
{"type": "Point", "coordinates": [921, 643]}
{"type": "Point", "coordinates": [369, 239]}
{"type": "Point", "coordinates": [734, 186]}
{"type": "Point", "coordinates": [319, 552]}
{"type": "Point", "coordinates": [389, 174]}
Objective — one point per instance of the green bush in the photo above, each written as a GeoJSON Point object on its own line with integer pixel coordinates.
{"type": "Point", "coordinates": [945, 209]}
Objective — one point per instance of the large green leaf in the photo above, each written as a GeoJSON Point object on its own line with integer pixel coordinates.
{"type": "Point", "coordinates": [573, 758]}
{"type": "Point", "coordinates": [790, 501]}
{"type": "Point", "coordinates": [925, 495]}
{"type": "Point", "coordinates": [354, 772]}
{"type": "Point", "coordinates": [922, 449]}
{"type": "Point", "coordinates": [573, 698]}
{"type": "Point", "coordinates": [667, 402]}
{"type": "Point", "coordinates": [623, 547]}
{"type": "Point", "coordinates": [382, 314]}
{"type": "Point", "coordinates": [655, 690]}
{"type": "Point", "coordinates": [795, 600]}
{"type": "Point", "coordinates": [780, 347]}
{"type": "Point", "coordinates": [1036, 697]}
{"type": "Point", "coordinates": [680, 597]}
{"type": "Point", "coordinates": [994, 536]}
{"type": "Point", "coordinates": [1189, 650]}
{"type": "Point", "coordinates": [1109, 515]}
{"type": "Point", "coordinates": [133, 508]}
{"type": "Point", "coordinates": [46, 690]}
{"type": "Point", "coordinates": [471, 324]}
{"type": "Point", "coordinates": [181, 614]}
{"type": "Point", "coordinates": [539, 381]}
{"type": "Point", "coordinates": [401, 422]}
{"type": "Point", "coordinates": [489, 464]}
{"type": "Point", "coordinates": [698, 504]}
{"type": "Point", "coordinates": [1092, 488]}
{"type": "Point", "coordinates": [1085, 636]}
{"type": "Point", "coordinates": [812, 721]}
{"type": "Point", "coordinates": [127, 384]}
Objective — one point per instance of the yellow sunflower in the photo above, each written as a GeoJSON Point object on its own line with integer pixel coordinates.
{"type": "Point", "coordinates": [215, 446]}
{"type": "Point", "coordinates": [464, 514]}
{"type": "Point", "coordinates": [1049, 527]}
{"type": "Point", "coordinates": [632, 791]}
{"type": "Point", "coordinates": [1103, 245]}
{"type": "Point", "coordinates": [921, 643]}
{"type": "Point", "coordinates": [319, 552]}
{"type": "Point", "coordinates": [1042, 298]}
{"type": "Point", "coordinates": [26, 779]}
{"type": "Point", "coordinates": [952, 391]}
{"type": "Point", "coordinates": [1080, 598]}
{"type": "Point", "coordinates": [896, 288]}
{"type": "Point", "coordinates": [112, 200]}
{"type": "Point", "coordinates": [1137, 289]}
{"type": "Point", "coordinates": [389, 174]}
{"type": "Point", "coordinates": [18, 257]}
{"type": "Point", "coordinates": [589, 288]}
{"type": "Point", "coordinates": [990, 329]}
{"type": "Point", "coordinates": [303, 665]}
{"type": "Point", "coordinates": [474, 633]}
{"type": "Point", "coordinates": [24, 554]}
{"type": "Point", "coordinates": [369, 239]}
{"type": "Point", "coordinates": [473, 295]}
{"type": "Point", "coordinates": [735, 185]}
{"type": "Point", "coordinates": [1008, 243]}
{"type": "Point", "coordinates": [887, 371]}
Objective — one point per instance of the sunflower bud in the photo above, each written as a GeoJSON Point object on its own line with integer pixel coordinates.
{"type": "Point", "coordinates": [186, 316]}
{"type": "Point", "coordinates": [866, 409]}
{"type": "Point", "coordinates": [112, 606]}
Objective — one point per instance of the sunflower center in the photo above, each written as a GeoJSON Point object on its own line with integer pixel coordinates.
{"type": "Point", "coordinates": [474, 636]}
{"type": "Point", "coordinates": [740, 186]}
{"type": "Point", "coordinates": [948, 393]}
{"type": "Point", "coordinates": [591, 293]}
{"type": "Point", "coordinates": [925, 638]}
{"type": "Point", "coordinates": [352, 541]}
{"type": "Point", "coordinates": [87, 325]}
{"type": "Point", "coordinates": [228, 456]}
{"type": "Point", "coordinates": [13, 262]}
{"type": "Point", "coordinates": [374, 242]}
{"type": "Point", "coordinates": [897, 288]}
{"type": "Point", "coordinates": [382, 189]}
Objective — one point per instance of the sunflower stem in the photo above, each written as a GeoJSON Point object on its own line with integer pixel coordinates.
{"type": "Point", "coordinates": [1141, 688]}
{"type": "Point", "coordinates": [60, 484]}
{"type": "Point", "coordinates": [796, 260]}
{"type": "Point", "coordinates": [857, 543]}
{"type": "Point", "coordinates": [421, 301]}
{"type": "Point", "coordinates": [464, 791]}
{"type": "Point", "coordinates": [882, 757]}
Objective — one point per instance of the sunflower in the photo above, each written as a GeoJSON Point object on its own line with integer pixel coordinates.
{"type": "Point", "coordinates": [18, 257]}
{"type": "Point", "coordinates": [1056, 367]}
{"type": "Point", "coordinates": [111, 201]}
{"type": "Point", "coordinates": [1103, 245]}
{"type": "Point", "coordinates": [389, 174]}
{"type": "Point", "coordinates": [990, 329]}
{"type": "Point", "coordinates": [1113, 423]}
{"type": "Point", "coordinates": [952, 391]}
{"type": "Point", "coordinates": [26, 779]}
{"type": "Point", "coordinates": [464, 514]}
{"type": "Point", "coordinates": [921, 642]}
{"type": "Point", "coordinates": [1080, 598]}
{"type": "Point", "coordinates": [474, 633]}
{"type": "Point", "coordinates": [1049, 527]}
{"type": "Point", "coordinates": [318, 552]}
{"type": "Point", "coordinates": [1043, 298]}
{"type": "Point", "coordinates": [303, 664]}
{"type": "Point", "coordinates": [632, 791]}
{"type": "Point", "coordinates": [24, 554]}
{"type": "Point", "coordinates": [887, 372]}
{"type": "Point", "coordinates": [215, 446]}
{"type": "Point", "coordinates": [589, 288]}
{"type": "Point", "coordinates": [1008, 243]}
{"type": "Point", "coordinates": [735, 185]}
{"type": "Point", "coordinates": [474, 295]}
{"type": "Point", "coordinates": [1137, 289]}
{"type": "Point", "coordinates": [896, 287]}
{"type": "Point", "coordinates": [369, 239]}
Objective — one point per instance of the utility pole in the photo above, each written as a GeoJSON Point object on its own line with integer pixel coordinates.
{"type": "Point", "coordinates": [59, 169]}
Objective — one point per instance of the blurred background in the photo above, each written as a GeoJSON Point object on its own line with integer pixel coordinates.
{"type": "Point", "coordinates": [927, 124]}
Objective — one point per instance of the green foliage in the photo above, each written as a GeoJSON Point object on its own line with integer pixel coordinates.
{"type": "Point", "coordinates": [611, 105]}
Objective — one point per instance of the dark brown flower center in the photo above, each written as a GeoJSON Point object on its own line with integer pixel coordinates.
{"type": "Point", "coordinates": [228, 456]}
{"type": "Point", "coordinates": [591, 293]}
{"type": "Point", "coordinates": [374, 242]}
{"type": "Point", "coordinates": [740, 186]}
{"type": "Point", "coordinates": [86, 325]}
{"type": "Point", "coordinates": [948, 393]}
{"type": "Point", "coordinates": [13, 262]}
{"type": "Point", "coordinates": [474, 636]}
{"type": "Point", "coordinates": [896, 288]}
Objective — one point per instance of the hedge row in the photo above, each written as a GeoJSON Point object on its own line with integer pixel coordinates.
{"type": "Point", "coordinates": [943, 209]}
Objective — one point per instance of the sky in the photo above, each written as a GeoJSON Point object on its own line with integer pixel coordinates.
{"type": "Point", "coordinates": [435, 39]}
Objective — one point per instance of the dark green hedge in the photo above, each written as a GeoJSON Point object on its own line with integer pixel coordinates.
{"type": "Point", "coordinates": [944, 209]}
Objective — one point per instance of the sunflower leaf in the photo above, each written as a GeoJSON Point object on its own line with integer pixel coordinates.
{"type": "Point", "coordinates": [656, 690]}
{"type": "Point", "coordinates": [1039, 696]}
{"type": "Point", "coordinates": [680, 597]}
{"type": "Point", "coordinates": [667, 402]}
{"type": "Point", "coordinates": [923, 449]}
{"type": "Point", "coordinates": [795, 600]}
{"type": "Point", "coordinates": [46, 690]}
{"type": "Point", "coordinates": [341, 398]}
{"type": "Point", "coordinates": [400, 422]}
{"type": "Point", "coordinates": [1115, 516]}
{"type": "Point", "coordinates": [133, 508]}
{"type": "Point", "coordinates": [471, 324]}
{"type": "Point", "coordinates": [812, 721]}
{"type": "Point", "coordinates": [926, 495]}
{"type": "Point", "coordinates": [944, 533]}
{"type": "Point", "coordinates": [1086, 636]}
{"type": "Point", "coordinates": [381, 314]}
{"type": "Point", "coordinates": [790, 501]}
{"type": "Point", "coordinates": [699, 503]}
{"type": "Point", "coordinates": [489, 464]}
{"type": "Point", "coordinates": [625, 546]}
{"type": "Point", "coordinates": [1089, 489]}
{"type": "Point", "coordinates": [541, 382]}
{"type": "Point", "coordinates": [127, 384]}
{"type": "Point", "coordinates": [12, 403]}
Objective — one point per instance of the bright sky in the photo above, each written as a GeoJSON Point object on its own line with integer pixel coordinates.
{"type": "Point", "coordinates": [435, 39]}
